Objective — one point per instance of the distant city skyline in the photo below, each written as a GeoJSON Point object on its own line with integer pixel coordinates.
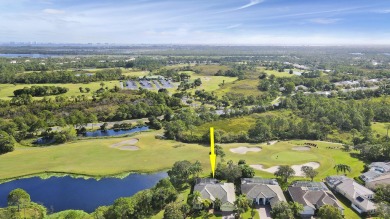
{"type": "Point", "coordinates": [223, 22]}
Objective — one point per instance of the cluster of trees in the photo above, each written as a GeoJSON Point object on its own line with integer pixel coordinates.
{"type": "Point", "coordinates": [183, 173]}
{"type": "Point", "coordinates": [143, 204]}
{"type": "Point", "coordinates": [66, 77]}
{"type": "Point", "coordinates": [33, 117]}
{"type": "Point", "coordinates": [232, 73]}
{"type": "Point", "coordinates": [7, 142]}
{"type": "Point", "coordinates": [174, 75]}
{"type": "Point", "coordinates": [374, 152]}
{"type": "Point", "coordinates": [18, 202]}
{"type": "Point", "coordinates": [40, 91]}
{"type": "Point", "coordinates": [233, 172]}
{"type": "Point", "coordinates": [185, 85]}
{"type": "Point", "coordinates": [146, 63]}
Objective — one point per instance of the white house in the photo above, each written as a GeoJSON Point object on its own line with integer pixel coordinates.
{"type": "Point", "coordinates": [359, 195]}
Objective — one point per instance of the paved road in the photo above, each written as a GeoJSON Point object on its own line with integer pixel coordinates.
{"type": "Point", "coordinates": [264, 212]}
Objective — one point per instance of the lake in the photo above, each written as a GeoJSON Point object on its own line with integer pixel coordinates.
{"type": "Point", "coordinates": [113, 132]}
{"type": "Point", "coordinates": [62, 193]}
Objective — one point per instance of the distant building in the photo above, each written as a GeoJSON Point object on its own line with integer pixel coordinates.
{"type": "Point", "coordinates": [359, 195]}
{"type": "Point", "coordinates": [376, 169]}
{"type": "Point", "coordinates": [262, 191]}
{"type": "Point", "coordinates": [312, 195]}
{"type": "Point", "coordinates": [383, 179]}
{"type": "Point", "coordinates": [211, 189]}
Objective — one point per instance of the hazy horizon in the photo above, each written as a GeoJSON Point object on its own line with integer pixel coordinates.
{"type": "Point", "coordinates": [189, 22]}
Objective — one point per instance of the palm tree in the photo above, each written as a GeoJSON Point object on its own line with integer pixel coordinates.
{"type": "Point", "coordinates": [217, 204]}
{"type": "Point", "coordinates": [342, 168]}
{"type": "Point", "coordinates": [242, 204]}
{"type": "Point", "coordinates": [195, 200]}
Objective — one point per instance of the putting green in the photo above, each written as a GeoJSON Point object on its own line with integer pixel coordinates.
{"type": "Point", "coordinates": [294, 156]}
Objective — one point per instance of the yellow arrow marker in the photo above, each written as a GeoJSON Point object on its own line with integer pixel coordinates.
{"type": "Point", "coordinates": [213, 157]}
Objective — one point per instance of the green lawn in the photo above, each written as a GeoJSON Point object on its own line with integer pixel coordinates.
{"type": "Point", "coordinates": [380, 128]}
{"type": "Point", "coordinates": [275, 72]}
{"type": "Point", "coordinates": [281, 153]}
{"type": "Point", "coordinates": [211, 83]}
{"type": "Point", "coordinates": [94, 157]}
{"type": "Point", "coordinates": [6, 90]}
{"type": "Point", "coordinates": [245, 87]}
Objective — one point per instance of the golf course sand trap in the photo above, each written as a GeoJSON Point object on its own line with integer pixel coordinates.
{"type": "Point", "coordinates": [127, 145]}
{"type": "Point", "coordinates": [304, 148]}
{"type": "Point", "coordinates": [129, 148]}
{"type": "Point", "coordinates": [271, 142]}
{"type": "Point", "coordinates": [243, 150]}
{"type": "Point", "coordinates": [269, 170]}
{"type": "Point", "coordinates": [296, 168]}
{"type": "Point", "coordinates": [206, 78]}
{"type": "Point", "coordinates": [298, 171]}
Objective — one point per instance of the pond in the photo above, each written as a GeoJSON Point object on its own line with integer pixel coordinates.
{"type": "Point", "coordinates": [98, 133]}
{"type": "Point", "coordinates": [113, 132]}
{"type": "Point", "coordinates": [62, 193]}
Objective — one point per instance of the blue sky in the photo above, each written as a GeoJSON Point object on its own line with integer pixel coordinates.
{"type": "Point", "coordinates": [257, 22]}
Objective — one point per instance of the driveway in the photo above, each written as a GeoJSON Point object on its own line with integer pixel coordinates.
{"type": "Point", "coordinates": [264, 212]}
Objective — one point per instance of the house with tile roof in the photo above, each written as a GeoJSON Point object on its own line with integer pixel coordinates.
{"type": "Point", "coordinates": [262, 191]}
{"type": "Point", "coordinates": [376, 169]}
{"type": "Point", "coordinates": [359, 195]}
{"type": "Point", "coordinates": [212, 189]}
{"type": "Point", "coordinates": [312, 195]}
{"type": "Point", "coordinates": [378, 174]}
{"type": "Point", "coordinates": [383, 179]}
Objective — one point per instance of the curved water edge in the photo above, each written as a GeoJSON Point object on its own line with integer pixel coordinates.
{"type": "Point", "coordinates": [49, 174]}
{"type": "Point", "coordinates": [66, 192]}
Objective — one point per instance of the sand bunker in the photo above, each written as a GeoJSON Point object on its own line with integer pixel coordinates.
{"type": "Point", "coordinates": [127, 145]}
{"type": "Point", "coordinates": [304, 148]}
{"type": "Point", "coordinates": [269, 170]}
{"type": "Point", "coordinates": [206, 78]}
{"type": "Point", "coordinates": [296, 168]}
{"type": "Point", "coordinates": [271, 142]}
{"type": "Point", "coordinates": [129, 148]}
{"type": "Point", "coordinates": [243, 150]}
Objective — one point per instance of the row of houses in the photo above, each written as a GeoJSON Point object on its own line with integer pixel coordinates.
{"type": "Point", "coordinates": [312, 195]}
{"type": "Point", "coordinates": [378, 174]}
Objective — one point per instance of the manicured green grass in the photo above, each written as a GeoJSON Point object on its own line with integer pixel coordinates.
{"type": "Point", "coordinates": [94, 157]}
{"type": "Point", "coordinates": [293, 156]}
{"type": "Point", "coordinates": [245, 87]}
{"type": "Point", "coordinates": [286, 156]}
{"type": "Point", "coordinates": [275, 72]}
{"type": "Point", "coordinates": [6, 90]}
{"type": "Point", "coordinates": [211, 83]}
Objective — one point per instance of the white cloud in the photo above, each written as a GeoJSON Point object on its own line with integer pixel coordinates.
{"type": "Point", "coordinates": [385, 11]}
{"type": "Point", "coordinates": [233, 26]}
{"type": "Point", "coordinates": [324, 20]}
{"type": "Point", "coordinates": [53, 11]}
{"type": "Point", "coordinates": [250, 4]}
